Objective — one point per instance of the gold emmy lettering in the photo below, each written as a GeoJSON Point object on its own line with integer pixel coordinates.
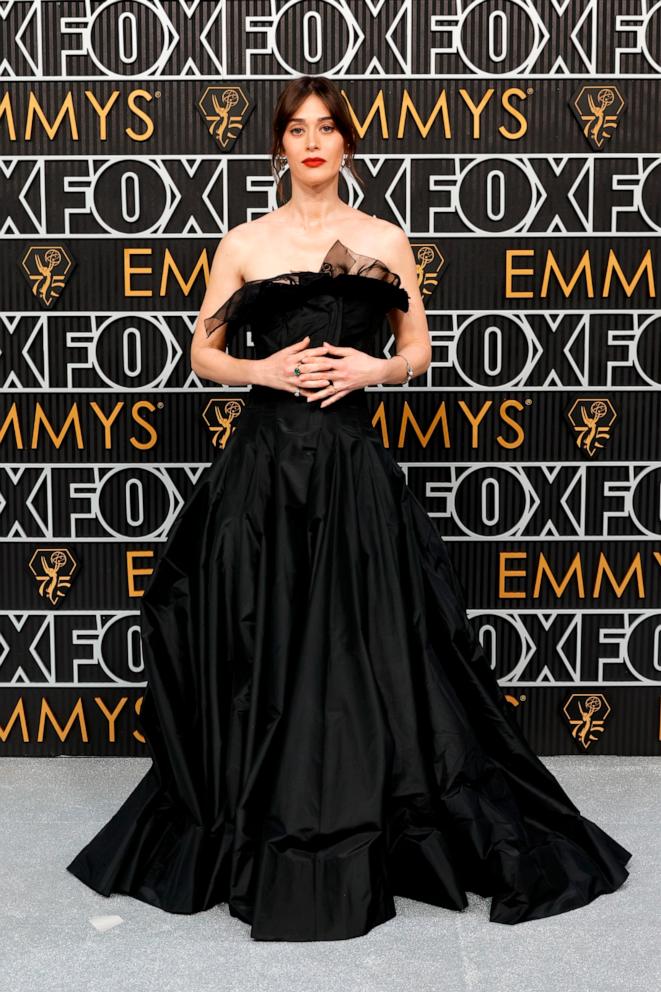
{"type": "Point", "coordinates": [505, 407]}
{"type": "Point", "coordinates": [575, 568]}
{"type": "Point", "coordinates": [169, 267]}
{"type": "Point", "coordinates": [635, 570]}
{"type": "Point", "coordinates": [441, 110]}
{"type": "Point", "coordinates": [62, 732]}
{"type": "Point", "coordinates": [76, 718]}
{"type": "Point", "coordinates": [138, 709]}
{"type": "Point", "coordinates": [111, 715]}
{"type": "Point", "coordinates": [634, 576]}
{"type": "Point", "coordinates": [515, 112]}
{"type": "Point", "coordinates": [17, 714]}
{"type": "Point", "coordinates": [583, 268]}
{"type": "Point", "coordinates": [475, 419]}
{"type": "Point", "coordinates": [67, 114]}
{"type": "Point", "coordinates": [408, 417]}
{"type": "Point", "coordinates": [504, 573]}
{"type": "Point", "coordinates": [613, 265]}
{"type": "Point", "coordinates": [152, 433]}
{"type": "Point", "coordinates": [132, 572]}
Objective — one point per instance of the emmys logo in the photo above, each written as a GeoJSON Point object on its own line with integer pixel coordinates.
{"type": "Point", "coordinates": [222, 413]}
{"type": "Point", "coordinates": [53, 567]}
{"type": "Point", "coordinates": [429, 264]}
{"type": "Point", "coordinates": [581, 711]}
{"type": "Point", "coordinates": [592, 420]}
{"type": "Point", "coordinates": [598, 109]}
{"type": "Point", "coordinates": [223, 109]}
{"type": "Point", "coordinates": [47, 269]}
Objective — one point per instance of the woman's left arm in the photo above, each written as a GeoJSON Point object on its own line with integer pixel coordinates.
{"type": "Point", "coordinates": [411, 330]}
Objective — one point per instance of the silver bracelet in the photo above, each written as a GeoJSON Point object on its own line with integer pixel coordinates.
{"type": "Point", "coordinates": [409, 370]}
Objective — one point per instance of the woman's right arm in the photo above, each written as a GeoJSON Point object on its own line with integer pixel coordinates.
{"type": "Point", "coordinates": [208, 357]}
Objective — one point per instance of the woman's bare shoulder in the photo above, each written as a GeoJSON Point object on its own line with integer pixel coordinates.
{"type": "Point", "coordinates": [364, 232]}
{"type": "Point", "coordinates": [384, 240]}
{"type": "Point", "coordinates": [386, 229]}
{"type": "Point", "coordinates": [236, 239]}
{"type": "Point", "coordinates": [370, 226]}
{"type": "Point", "coordinates": [245, 240]}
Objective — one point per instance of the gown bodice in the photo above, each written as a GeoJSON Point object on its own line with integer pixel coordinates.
{"type": "Point", "coordinates": [344, 302]}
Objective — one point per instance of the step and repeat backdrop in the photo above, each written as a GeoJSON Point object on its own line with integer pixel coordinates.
{"type": "Point", "coordinates": [518, 143]}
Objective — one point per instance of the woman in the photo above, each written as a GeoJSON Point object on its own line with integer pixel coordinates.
{"type": "Point", "coordinates": [326, 731]}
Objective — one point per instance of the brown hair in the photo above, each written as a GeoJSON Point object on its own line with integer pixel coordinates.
{"type": "Point", "coordinates": [290, 99]}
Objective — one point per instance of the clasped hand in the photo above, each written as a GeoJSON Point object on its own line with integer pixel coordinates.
{"type": "Point", "coordinates": [328, 372]}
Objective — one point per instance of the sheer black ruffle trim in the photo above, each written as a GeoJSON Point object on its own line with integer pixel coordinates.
{"type": "Point", "coordinates": [338, 270]}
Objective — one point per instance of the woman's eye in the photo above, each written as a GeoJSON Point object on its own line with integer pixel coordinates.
{"type": "Point", "coordinates": [293, 130]}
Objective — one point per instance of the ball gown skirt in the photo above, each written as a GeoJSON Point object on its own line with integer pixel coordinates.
{"type": "Point", "coordinates": [325, 729]}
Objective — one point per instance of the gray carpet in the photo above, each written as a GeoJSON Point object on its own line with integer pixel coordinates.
{"type": "Point", "coordinates": [50, 807]}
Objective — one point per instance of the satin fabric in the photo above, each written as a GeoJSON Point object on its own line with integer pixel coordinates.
{"type": "Point", "coordinates": [325, 728]}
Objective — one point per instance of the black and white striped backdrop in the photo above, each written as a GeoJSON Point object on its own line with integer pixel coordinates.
{"type": "Point", "coordinates": [518, 144]}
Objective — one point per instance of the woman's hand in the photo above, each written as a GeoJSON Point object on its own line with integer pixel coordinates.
{"type": "Point", "coordinates": [345, 368]}
{"type": "Point", "coordinates": [277, 371]}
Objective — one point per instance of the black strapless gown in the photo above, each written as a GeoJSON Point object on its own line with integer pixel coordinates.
{"type": "Point", "coordinates": [325, 728]}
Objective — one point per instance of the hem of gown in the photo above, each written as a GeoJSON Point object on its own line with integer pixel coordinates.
{"type": "Point", "coordinates": [417, 866]}
{"type": "Point", "coordinates": [148, 897]}
{"type": "Point", "coordinates": [298, 938]}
